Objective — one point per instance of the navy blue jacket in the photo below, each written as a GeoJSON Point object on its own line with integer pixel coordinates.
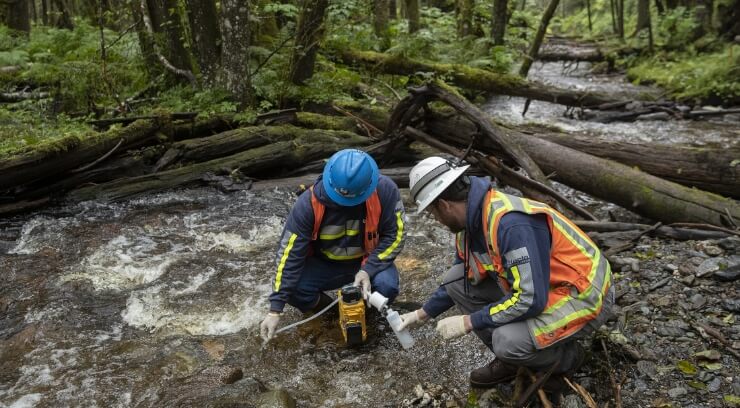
{"type": "Point", "coordinates": [517, 232]}
{"type": "Point", "coordinates": [340, 237]}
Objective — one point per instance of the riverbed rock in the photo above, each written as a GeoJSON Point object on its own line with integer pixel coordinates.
{"type": "Point", "coordinates": [278, 398]}
{"type": "Point", "coordinates": [677, 392]}
{"type": "Point", "coordinates": [709, 266]}
{"type": "Point", "coordinates": [728, 275]}
{"type": "Point", "coordinates": [573, 401]}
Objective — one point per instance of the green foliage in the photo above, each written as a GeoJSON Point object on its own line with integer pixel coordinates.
{"type": "Point", "coordinates": [285, 9]}
{"type": "Point", "coordinates": [676, 28]}
{"type": "Point", "coordinates": [693, 76]}
{"type": "Point", "coordinates": [23, 130]}
{"type": "Point", "coordinates": [183, 98]}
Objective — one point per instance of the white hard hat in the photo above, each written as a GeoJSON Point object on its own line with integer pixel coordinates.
{"type": "Point", "coordinates": [430, 177]}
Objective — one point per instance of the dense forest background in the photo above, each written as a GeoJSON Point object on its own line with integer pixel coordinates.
{"type": "Point", "coordinates": [66, 62]}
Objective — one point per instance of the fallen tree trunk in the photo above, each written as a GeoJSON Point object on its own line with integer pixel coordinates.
{"type": "Point", "coordinates": [307, 145]}
{"type": "Point", "coordinates": [70, 153]}
{"type": "Point", "coordinates": [707, 168]}
{"type": "Point", "coordinates": [666, 231]}
{"type": "Point", "coordinates": [637, 191]}
{"type": "Point", "coordinates": [475, 79]}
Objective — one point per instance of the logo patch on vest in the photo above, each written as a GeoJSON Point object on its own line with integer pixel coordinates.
{"type": "Point", "coordinates": [516, 257]}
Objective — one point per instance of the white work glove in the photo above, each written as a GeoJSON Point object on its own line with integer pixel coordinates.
{"type": "Point", "coordinates": [268, 326]}
{"type": "Point", "coordinates": [411, 319]}
{"type": "Point", "coordinates": [452, 327]}
{"type": "Point", "coordinates": [362, 279]}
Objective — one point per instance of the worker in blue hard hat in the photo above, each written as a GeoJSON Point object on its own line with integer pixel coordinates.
{"type": "Point", "coordinates": [348, 227]}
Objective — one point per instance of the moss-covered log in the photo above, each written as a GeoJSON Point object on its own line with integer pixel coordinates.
{"type": "Point", "coordinates": [56, 159]}
{"type": "Point", "coordinates": [307, 145]}
{"type": "Point", "coordinates": [473, 78]}
{"type": "Point", "coordinates": [226, 143]}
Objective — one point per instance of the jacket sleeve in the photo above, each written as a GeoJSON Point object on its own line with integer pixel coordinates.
{"type": "Point", "coordinates": [292, 251]}
{"type": "Point", "coordinates": [524, 240]}
{"type": "Point", "coordinates": [438, 303]}
{"type": "Point", "coordinates": [392, 228]}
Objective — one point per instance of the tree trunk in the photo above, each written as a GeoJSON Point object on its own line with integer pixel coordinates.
{"type": "Point", "coordinates": [392, 9]}
{"type": "Point", "coordinates": [620, 18]}
{"type": "Point", "coordinates": [295, 148]}
{"type": "Point", "coordinates": [308, 35]}
{"type": "Point", "coordinates": [728, 18]}
{"type": "Point", "coordinates": [64, 20]}
{"type": "Point", "coordinates": [18, 18]}
{"type": "Point", "coordinates": [588, 10]}
{"type": "Point", "coordinates": [613, 10]}
{"type": "Point", "coordinates": [146, 42]}
{"type": "Point", "coordinates": [206, 37]}
{"type": "Point", "coordinates": [380, 23]}
{"type": "Point", "coordinates": [412, 15]}
{"type": "Point", "coordinates": [643, 15]}
{"type": "Point", "coordinates": [235, 75]}
{"type": "Point", "coordinates": [499, 18]}
{"type": "Point", "coordinates": [537, 41]}
{"type": "Point", "coordinates": [659, 7]}
{"type": "Point", "coordinates": [475, 79]}
{"type": "Point", "coordinates": [165, 20]}
{"type": "Point", "coordinates": [45, 12]}
{"type": "Point", "coordinates": [464, 18]}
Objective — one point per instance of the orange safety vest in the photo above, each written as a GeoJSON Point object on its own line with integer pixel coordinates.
{"type": "Point", "coordinates": [372, 219]}
{"type": "Point", "coordinates": [580, 275]}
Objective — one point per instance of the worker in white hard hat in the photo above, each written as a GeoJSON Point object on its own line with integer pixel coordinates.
{"type": "Point", "coordinates": [526, 280]}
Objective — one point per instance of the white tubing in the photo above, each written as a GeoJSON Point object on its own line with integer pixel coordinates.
{"type": "Point", "coordinates": [290, 326]}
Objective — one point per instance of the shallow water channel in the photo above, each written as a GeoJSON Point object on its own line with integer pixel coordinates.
{"type": "Point", "coordinates": [149, 302]}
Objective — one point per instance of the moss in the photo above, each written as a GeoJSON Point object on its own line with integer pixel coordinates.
{"type": "Point", "coordinates": [316, 121]}
{"type": "Point", "coordinates": [713, 77]}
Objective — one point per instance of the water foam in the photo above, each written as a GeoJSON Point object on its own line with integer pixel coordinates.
{"type": "Point", "coordinates": [125, 263]}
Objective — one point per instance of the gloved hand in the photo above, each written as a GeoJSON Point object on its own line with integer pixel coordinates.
{"type": "Point", "coordinates": [411, 319]}
{"type": "Point", "coordinates": [268, 326]}
{"type": "Point", "coordinates": [362, 279]}
{"type": "Point", "coordinates": [452, 327]}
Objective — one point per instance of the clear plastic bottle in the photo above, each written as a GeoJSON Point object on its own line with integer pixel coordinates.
{"type": "Point", "coordinates": [394, 320]}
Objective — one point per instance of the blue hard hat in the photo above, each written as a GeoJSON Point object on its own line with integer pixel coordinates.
{"type": "Point", "coordinates": [350, 177]}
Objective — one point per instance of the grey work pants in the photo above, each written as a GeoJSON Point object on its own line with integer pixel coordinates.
{"type": "Point", "coordinates": [512, 343]}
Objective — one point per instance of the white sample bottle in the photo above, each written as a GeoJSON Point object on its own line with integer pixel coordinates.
{"type": "Point", "coordinates": [394, 320]}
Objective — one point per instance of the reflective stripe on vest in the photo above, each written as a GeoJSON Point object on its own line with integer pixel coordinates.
{"type": "Point", "coordinates": [481, 263]}
{"type": "Point", "coordinates": [370, 239]}
{"type": "Point", "coordinates": [580, 275]}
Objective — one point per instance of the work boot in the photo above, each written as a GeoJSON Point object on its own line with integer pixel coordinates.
{"type": "Point", "coordinates": [495, 372]}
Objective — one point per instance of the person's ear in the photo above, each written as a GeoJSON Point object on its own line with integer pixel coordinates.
{"type": "Point", "coordinates": [443, 205]}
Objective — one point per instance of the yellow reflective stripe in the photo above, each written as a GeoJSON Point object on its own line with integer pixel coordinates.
{"type": "Point", "coordinates": [284, 258]}
{"type": "Point", "coordinates": [578, 314]}
{"type": "Point", "coordinates": [399, 237]}
{"type": "Point", "coordinates": [514, 297]}
{"type": "Point", "coordinates": [350, 233]}
{"type": "Point", "coordinates": [330, 255]}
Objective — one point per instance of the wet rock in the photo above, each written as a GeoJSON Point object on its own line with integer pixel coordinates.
{"type": "Point", "coordinates": [660, 283]}
{"type": "Point", "coordinates": [712, 250]}
{"type": "Point", "coordinates": [278, 398]}
{"type": "Point", "coordinates": [573, 401]}
{"type": "Point", "coordinates": [670, 267]}
{"type": "Point", "coordinates": [688, 280]}
{"type": "Point", "coordinates": [677, 392]}
{"type": "Point", "coordinates": [654, 116]}
{"type": "Point", "coordinates": [731, 305]}
{"type": "Point", "coordinates": [698, 301]}
{"type": "Point", "coordinates": [714, 385]}
{"type": "Point", "coordinates": [647, 368]}
{"type": "Point", "coordinates": [709, 266]}
{"type": "Point", "coordinates": [728, 275]}
{"type": "Point", "coordinates": [729, 244]}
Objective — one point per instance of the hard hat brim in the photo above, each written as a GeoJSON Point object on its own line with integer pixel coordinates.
{"type": "Point", "coordinates": [350, 201]}
{"type": "Point", "coordinates": [431, 191]}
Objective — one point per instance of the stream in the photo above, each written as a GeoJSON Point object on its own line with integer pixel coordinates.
{"type": "Point", "coordinates": [156, 301]}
